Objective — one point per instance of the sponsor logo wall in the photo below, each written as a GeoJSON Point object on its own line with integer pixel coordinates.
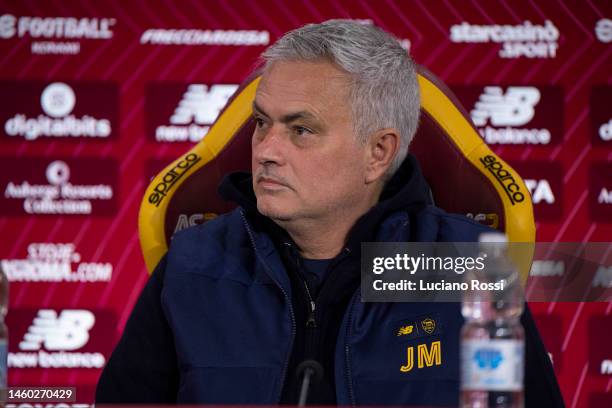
{"type": "Point", "coordinates": [55, 262]}
{"type": "Point", "coordinates": [600, 191]}
{"type": "Point", "coordinates": [54, 34]}
{"type": "Point", "coordinates": [52, 339]}
{"type": "Point", "coordinates": [515, 114]}
{"type": "Point", "coordinates": [96, 100]}
{"type": "Point", "coordinates": [544, 181]}
{"type": "Point", "coordinates": [601, 115]}
{"type": "Point", "coordinates": [183, 112]}
{"type": "Point", "coordinates": [47, 186]}
{"type": "Point", "coordinates": [38, 110]}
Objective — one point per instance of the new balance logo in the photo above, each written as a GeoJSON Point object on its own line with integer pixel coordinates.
{"type": "Point", "coordinates": [405, 330]}
{"type": "Point", "coordinates": [515, 107]}
{"type": "Point", "coordinates": [56, 340]}
{"type": "Point", "coordinates": [201, 105]}
{"type": "Point", "coordinates": [68, 331]}
{"type": "Point", "coordinates": [190, 119]}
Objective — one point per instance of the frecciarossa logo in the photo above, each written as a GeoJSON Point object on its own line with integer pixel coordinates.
{"type": "Point", "coordinates": [504, 177]}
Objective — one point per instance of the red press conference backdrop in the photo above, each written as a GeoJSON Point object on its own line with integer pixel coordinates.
{"type": "Point", "coordinates": [97, 96]}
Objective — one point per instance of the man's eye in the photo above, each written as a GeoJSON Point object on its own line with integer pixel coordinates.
{"type": "Point", "coordinates": [301, 130]}
{"type": "Point", "coordinates": [259, 122]}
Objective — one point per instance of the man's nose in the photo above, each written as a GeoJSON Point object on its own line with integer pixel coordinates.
{"type": "Point", "coordinates": [268, 147]}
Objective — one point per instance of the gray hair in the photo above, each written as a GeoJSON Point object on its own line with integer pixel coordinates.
{"type": "Point", "coordinates": [384, 91]}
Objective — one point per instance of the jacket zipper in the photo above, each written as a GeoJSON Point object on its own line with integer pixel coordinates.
{"type": "Point", "coordinates": [311, 328]}
{"type": "Point", "coordinates": [311, 340]}
{"type": "Point", "coordinates": [293, 324]}
{"type": "Point", "coordinates": [311, 321]}
{"type": "Point", "coordinates": [347, 350]}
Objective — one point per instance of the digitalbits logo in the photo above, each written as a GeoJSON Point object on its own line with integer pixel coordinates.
{"type": "Point", "coordinates": [80, 110]}
{"type": "Point", "coordinates": [176, 114]}
{"type": "Point", "coordinates": [515, 115]}
{"type": "Point", "coordinates": [58, 100]}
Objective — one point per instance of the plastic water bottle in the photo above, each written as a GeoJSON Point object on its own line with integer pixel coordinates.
{"type": "Point", "coordinates": [4, 291]}
{"type": "Point", "coordinates": [492, 337]}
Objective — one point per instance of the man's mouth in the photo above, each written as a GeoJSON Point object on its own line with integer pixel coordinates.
{"type": "Point", "coordinates": [270, 183]}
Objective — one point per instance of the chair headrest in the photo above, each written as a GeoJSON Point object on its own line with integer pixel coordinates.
{"type": "Point", "coordinates": [465, 176]}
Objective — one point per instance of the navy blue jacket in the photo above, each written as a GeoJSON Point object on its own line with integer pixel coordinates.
{"type": "Point", "coordinates": [216, 323]}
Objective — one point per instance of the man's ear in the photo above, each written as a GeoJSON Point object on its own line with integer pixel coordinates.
{"type": "Point", "coordinates": [382, 147]}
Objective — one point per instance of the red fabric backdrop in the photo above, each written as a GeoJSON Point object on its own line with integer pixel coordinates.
{"type": "Point", "coordinates": [91, 142]}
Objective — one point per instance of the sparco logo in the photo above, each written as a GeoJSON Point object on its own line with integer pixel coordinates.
{"type": "Point", "coordinates": [522, 40]}
{"type": "Point", "coordinates": [51, 339]}
{"type": "Point", "coordinates": [57, 101]}
{"type": "Point", "coordinates": [170, 178]}
{"type": "Point", "coordinates": [603, 30]}
{"type": "Point", "coordinates": [196, 111]}
{"type": "Point", "coordinates": [58, 196]}
{"type": "Point", "coordinates": [504, 178]}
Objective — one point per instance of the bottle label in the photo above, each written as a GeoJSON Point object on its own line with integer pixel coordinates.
{"type": "Point", "coordinates": [3, 363]}
{"type": "Point", "coordinates": [493, 365]}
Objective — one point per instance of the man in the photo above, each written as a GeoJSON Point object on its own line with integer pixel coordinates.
{"type": "Point", "coordinates": [238, 303]}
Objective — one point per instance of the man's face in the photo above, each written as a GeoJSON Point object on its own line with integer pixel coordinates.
{"type": "Point", "coordinates": [307, 163]}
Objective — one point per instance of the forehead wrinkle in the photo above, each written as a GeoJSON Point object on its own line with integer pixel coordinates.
{"type": "Point", "coordinates": [323, 99]}
{"type": "Point", "coordinates": [288, 117]}
{"type": "Point", "coordinates": [306, 111]}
